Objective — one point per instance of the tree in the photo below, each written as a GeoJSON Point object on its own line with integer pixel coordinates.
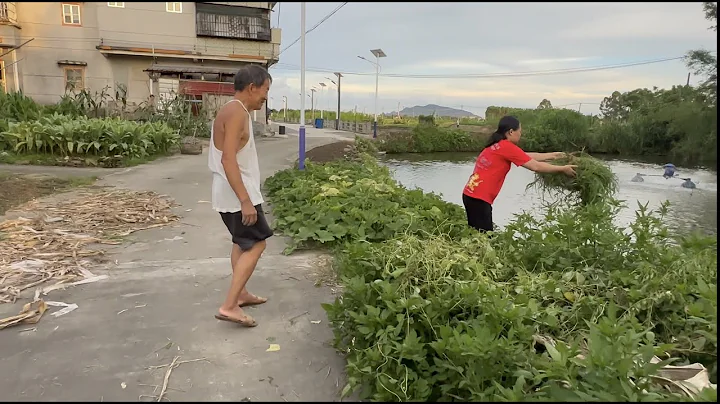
{"type": "Point", "coordinates": [710, 9]}
{"type": "Point", "coordinates": [545, 104]}
{"type": "Point", "coordinates": [620, 105]}
{"type": "Point", "coordinates": [703, 63]}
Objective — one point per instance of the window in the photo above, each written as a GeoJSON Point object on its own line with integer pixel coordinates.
{"type": "Point", "coordinates": [74, 78]}
{"type": "Point", "coordinates": [71, 14]}
{"type": "Point", "coordinates": [173, 7]}
{"type": "Point", "coordinates": [118, 4]}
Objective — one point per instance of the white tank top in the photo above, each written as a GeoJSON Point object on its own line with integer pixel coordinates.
{"type": "Point", "coordinates": [223, 196]}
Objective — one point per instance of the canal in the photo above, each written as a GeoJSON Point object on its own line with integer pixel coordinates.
{"type": "Point", "coordinates": [690, 209]}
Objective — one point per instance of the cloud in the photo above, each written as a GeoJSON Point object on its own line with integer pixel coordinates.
{"type": "Point", "coordinates": [482, 38]}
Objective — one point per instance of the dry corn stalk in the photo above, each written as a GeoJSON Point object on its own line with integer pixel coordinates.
{"type": "Point", "coordinates": [57, 245]}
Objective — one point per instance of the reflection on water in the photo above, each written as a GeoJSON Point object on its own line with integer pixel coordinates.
{"type": "Point", "coordinates": [690, 209]}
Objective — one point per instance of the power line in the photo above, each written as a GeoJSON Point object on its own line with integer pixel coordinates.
{"type": "Point", "coordinates": [315, 26]}
{"type": "Point", "coordinates": [284, 66]}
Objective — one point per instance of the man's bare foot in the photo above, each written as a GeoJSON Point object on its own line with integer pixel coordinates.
{"type": "Point", "coordinates": [248, 299]}
{"type": "Point", "coordinates": [237, 315]}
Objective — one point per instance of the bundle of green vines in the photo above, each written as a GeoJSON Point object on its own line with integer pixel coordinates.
{"type": "Point", "coordinates": [594, 182]}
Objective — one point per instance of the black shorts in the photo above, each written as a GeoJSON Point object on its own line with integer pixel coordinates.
{"type": "Point", "coordinates": [479, 213]}
{"type": "Point", "coordinates": [247, 236]}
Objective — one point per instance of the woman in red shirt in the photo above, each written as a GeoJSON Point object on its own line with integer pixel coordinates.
{"type": "Point", "coordinates": [493, 164]}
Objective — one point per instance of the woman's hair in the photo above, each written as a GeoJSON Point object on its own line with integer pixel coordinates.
{"type": "Point", "coordinates": [506, 124]}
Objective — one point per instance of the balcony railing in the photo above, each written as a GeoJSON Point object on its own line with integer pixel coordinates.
{"type": "Point", "coordinates": [8, 12]}
{"type": "Point", "coordinates": [232, 26]}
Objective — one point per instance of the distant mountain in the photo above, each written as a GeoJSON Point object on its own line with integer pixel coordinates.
{"type": "Point", "coordinates": [431, 109]}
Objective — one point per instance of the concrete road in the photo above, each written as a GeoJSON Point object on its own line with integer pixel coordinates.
{"type": "Point", "coordinates": [164, 287]}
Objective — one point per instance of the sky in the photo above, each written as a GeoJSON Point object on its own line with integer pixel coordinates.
{"type": "Point", "coordinates": [451, 39]}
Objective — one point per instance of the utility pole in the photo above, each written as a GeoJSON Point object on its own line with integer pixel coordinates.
{"type": "Point", "coordinates": [301, 131]}
{"type": "Point", "coordinates": [337, 119]}
{"type": "Point", "coordinates": [398, 110]}
{"type": "Point", "coordinates": [688, 80]}
{"type": "Point", "coordinates": [579, 106]}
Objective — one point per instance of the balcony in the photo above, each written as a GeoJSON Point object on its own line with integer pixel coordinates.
{"type": "Point", "coordinates": [232, 22]}
{"type": "Point", "coordinates": [8, 12]}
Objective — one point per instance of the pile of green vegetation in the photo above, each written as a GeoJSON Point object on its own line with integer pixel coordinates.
{"type": "Point", "coordinates": [594, 181]}
{"type": "Point", "coordinates": [65, 135]}
{"type": "Point", "coordinates": [434, 311]}
{"type": "Point", "coordinates": [344, 201]}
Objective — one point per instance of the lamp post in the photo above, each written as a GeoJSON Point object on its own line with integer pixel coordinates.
{"type": "Point", "coordinates": [337, 89]}
{"type": "Point", "coordinates": [378, 53]}
{"type": "Point", "coordinates": [301, 130]}
{"type": "Point", "coordinates": [312, 102]}
{"type": "Point", "coordinates": [284, 108]}
{"type": "Point", "coordinates": [322, 89]}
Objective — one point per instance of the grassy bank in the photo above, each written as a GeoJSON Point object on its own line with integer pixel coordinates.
{"type": "Point", "coordinates": [568, 308]}
{"type": "Point", "coordinates": [684, 132]}
{"type": "Point", "coordinates": [428, 138]}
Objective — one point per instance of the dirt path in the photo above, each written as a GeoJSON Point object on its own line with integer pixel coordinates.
{"type": "Point", "coordinates": [164, 287]}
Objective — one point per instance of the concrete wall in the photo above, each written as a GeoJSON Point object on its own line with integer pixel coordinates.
{"type": "Point", "coordinates": [176, 31]}
{"type": "Point", "coordinates": [349, 126]}
{"type": "Point", "coordinates": [137, 25]}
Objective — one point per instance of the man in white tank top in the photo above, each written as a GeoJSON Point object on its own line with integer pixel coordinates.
{"type": "Point", "coordinates": [232, 158]}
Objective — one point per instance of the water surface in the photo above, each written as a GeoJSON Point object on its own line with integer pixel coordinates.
{"type": "Point", "coordinates": [447, 173]}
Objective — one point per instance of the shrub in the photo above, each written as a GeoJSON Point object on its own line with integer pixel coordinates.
{"type": "Point", "coordinates": [67, 136]}
{"type": "Point", "coordinates": [568, 307]}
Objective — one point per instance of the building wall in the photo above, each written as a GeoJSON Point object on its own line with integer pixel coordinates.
{"type": "Point", "coordinates": [145, 25]}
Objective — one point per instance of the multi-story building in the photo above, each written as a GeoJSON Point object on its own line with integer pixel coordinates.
{"type": "Point", "coordinates": [143, 51]}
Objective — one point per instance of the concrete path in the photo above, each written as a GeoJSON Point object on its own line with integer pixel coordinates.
{"type": "Point", "coordinates": [165, 286]}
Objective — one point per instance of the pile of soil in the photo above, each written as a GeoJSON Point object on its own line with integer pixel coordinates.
{"type": "Point", "coordinates": [330, 152]}
{"type": "Point", "coordinates": [18, 189]}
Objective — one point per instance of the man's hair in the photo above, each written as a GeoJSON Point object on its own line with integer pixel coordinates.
{"type": "Point", "coordinates": [251, 74]}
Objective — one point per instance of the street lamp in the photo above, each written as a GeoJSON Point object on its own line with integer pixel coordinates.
{"type": "Point", "coordinates": [328, 93]}
{"type": "Point", "coordinates": [378, 53]}
{"type": "Point", "coordinates": [322, 88]}
{"type": "Point", "coordinates": [312, 102]}
{"type": "Point", "coordinates": [336, 89]}
{"type": "Point", "coordinates": [284, 108]}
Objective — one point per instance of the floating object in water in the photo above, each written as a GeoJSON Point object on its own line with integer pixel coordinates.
{"type": "Point", "coordinates": [688, 183]}
{"type": "Point", "coordinates": [669, 170]}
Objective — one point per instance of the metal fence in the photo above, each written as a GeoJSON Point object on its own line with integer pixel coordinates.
{"type": "Point", "coordinates": [232, 26]}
